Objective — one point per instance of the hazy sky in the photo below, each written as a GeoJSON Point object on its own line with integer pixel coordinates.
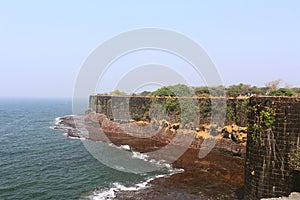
{"type": "Point", "coordinates": [44, 43]}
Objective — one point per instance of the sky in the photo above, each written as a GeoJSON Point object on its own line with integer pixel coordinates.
{"type": "Point", "coordinates": [43, 44]}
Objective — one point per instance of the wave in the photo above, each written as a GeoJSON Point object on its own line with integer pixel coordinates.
{"type": "Point", "coordinates": [141, 156]}
{"type": "Point", "coordinates": [164, 169]}
{"type": "Point", "coordinates": [161, 163]}
{"type": "Point", "coordinates": [110, 193]}
{"type": "Point", "coordinates": [73, 138]}
{"type": "Point", "coordinates": [125, 147]}
{"type": "Point", "coordinates": [58, 120]}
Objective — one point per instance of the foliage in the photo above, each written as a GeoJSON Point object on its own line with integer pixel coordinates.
{"type": "Point", "coordinates": [265, 118]}
{"type": "Point", "coordinates": [230, 114]}
{"type": "Point", "coordinates": [218, 91]}
{"type": "Point", "coordinates": [258, 90]}
{"type": "Point", "coordinates": [245, 90]}
{"type": "Point", "coordinates": [189, 110]}
{"type": "Point", "coordinates": [273, 85]}
{"type": "Point", "coordinates": [179, 90]}
{"type": "Point", "coordinates": [171, 104]}
{"type": "Point", "coordinates": [145, 93]}
{"type": "Point", "coordinates": [238, 90]}
{"type": "Point", "coordinates": [296, 90]}
{"type": "Point", "coordinates": [185, 108]}
{"type": "Point", "coordinates": [117, 93]}
{"type": "Point", "coordinates": [294, 159]}
{"type": "Point", "coordinates": [210, 91]}
{"type": "Point", "coordinates": [137, 117]}
{"type": "Point", "coordinates": [163, 91]}
{"type": "Point", "coordinates": [201, 91]}
{"type": "Point", "coordinates": [283, 92]}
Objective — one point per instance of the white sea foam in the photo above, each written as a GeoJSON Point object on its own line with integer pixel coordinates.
{"type": "Point", "coordinates": [135, 155]}
{"type": "Point", "coordinates": [141, 156]}
{"type": "Point", "coordinates": [159, 163]}
{"type": "Point", "coordinates": [110, 193]}
{"type": "Point", "coordinates": [103, 195]}
{"type": "Point", "coordinates": [58, 120]}
{"type": "Point", "coordinates": [75, 138]}
{"type": "Point", "coordinates": [125, 147]}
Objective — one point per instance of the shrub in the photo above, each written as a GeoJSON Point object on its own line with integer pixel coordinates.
{"type": "Point", "coordinates": [283, 92]}
{"type": "Point", "coordinates": [294, 159]}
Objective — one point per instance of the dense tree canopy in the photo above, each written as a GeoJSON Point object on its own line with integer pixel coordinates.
{"type": "Point", "coordinates": [283, 92]}
{"type": "Point", "coordinates": [181, 90]}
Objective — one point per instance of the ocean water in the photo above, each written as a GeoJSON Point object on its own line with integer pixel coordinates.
{"type": "Point", "coordinates": [37, 162]}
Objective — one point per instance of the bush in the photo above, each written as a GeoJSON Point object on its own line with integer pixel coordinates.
{"type": "Point", "coordinates": [137, 117]}
{"type": "Point", "coordinates": [283, 92]}
{"type": "Point", "coordinates": [294, 159]}
{"type": "Point", "coordinates": [117, 93]}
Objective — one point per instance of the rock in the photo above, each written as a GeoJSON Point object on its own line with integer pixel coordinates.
{"type": "Point", "coordinates": [142, 123]}
{"type": "Point", "coordinates": [175, 126]}
{"type": "Point", "coordinates": [226, 134]}
{"type": "Point", "coordinates": [292, 196]}
{"type": "Point", "coordinates": [235, 127]}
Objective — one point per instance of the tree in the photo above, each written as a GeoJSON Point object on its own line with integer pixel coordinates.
{"type": "Point", "coordinates": [117, 93]}
{"type": "Point", "coordinates": [283, 92]}
{"type": "Point", "coordinates": [273, 85]}
{"type": "Point", "coordinates": [145, 93]}
{"type": "Point", "coordinates": [210, 91]}
{"type": "Point", "coordinates": [163, 91]}
{"type": "Point", "coordinates": [179, 90]}
{"type": "Point", "coordinates": [201, 91]}
{"type": "Point", "coordinates": [218, 91]}
{"type": "Point", "coordinates": [238, 90]}
{"type": "Point", "coordinates": [296, 90]}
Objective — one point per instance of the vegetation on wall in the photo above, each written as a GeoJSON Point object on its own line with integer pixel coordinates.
{"type": "Point", "coordinates": [265, 117]}
{"type": "Point", "coordinates": [294, 159]}
{"type": "Point", "coordinates": [137, 117]}
{"type": "Point", "coordinates": [185, 108]}
{"type": "Point", "coordinates": [236, 112]}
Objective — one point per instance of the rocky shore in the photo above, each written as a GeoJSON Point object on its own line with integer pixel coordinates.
{"type": "Point", "coordinates": [219, 175]}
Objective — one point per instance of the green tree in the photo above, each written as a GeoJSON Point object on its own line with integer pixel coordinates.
{"type": "Point", "coordinates": [238, 90]}
{"type": "Point", "coordinates": [218, 91]}
{"type": "Point", "coordinates": [163, 91]}
{"type": "Point", "coordinates": [296, 90]}
{"type": "Point", "coordinates": [210, 91]}
{"type": "Point", "coordinates": [145, 93]}
{"type": "Point", "coordinates": [283, 92]}
{"type": "Point", "coordinates": [179, 90]}
{"type": "Point", "coordinates": [201, 91]}
{"type": "Point", "coordinates": [117, 93]}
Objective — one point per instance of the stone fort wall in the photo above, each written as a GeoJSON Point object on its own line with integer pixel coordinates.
{"type": "Point", "coordinates": [267, 172]}
{"type": "Point", "coordinates": [117, 107]}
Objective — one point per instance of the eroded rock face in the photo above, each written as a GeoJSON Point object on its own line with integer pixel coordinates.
{"type": "Point", "coordinates": [152, 136]}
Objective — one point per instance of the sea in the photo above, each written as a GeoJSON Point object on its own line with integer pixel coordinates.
{"type": "Point", "coordinates": [38, 162]}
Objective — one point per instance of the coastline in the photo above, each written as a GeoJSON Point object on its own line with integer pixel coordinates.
{"type": "Point", "coordinates": [219, 175]}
